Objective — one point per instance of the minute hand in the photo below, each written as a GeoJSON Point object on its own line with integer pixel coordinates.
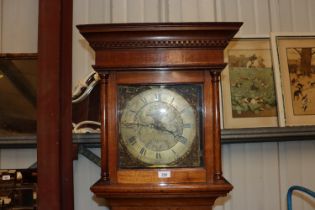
{"type": "Point", "coordinates": [161, 127]}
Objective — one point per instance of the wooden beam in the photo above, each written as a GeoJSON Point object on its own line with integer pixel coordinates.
{"type": "Point", "coordinates": [67, 197]}
{"type": "Point", "coordinates": [54, 150]}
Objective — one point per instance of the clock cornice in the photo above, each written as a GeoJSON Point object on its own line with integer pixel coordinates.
{"type": "Point", "coordinates": [159, 35]}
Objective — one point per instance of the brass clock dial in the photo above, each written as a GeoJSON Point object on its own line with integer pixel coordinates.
{"type": "Point", "coordinates": [158, 127]}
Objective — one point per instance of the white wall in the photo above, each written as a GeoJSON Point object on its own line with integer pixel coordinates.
{"type": "Point", "coordinates": [260, 172]}
{"type": "Point", "coordinates": [18, 26]}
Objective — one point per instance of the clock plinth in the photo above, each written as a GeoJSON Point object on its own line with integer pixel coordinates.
{"type": "Point", "coordinates": [160, 136]}
{"type": "Point", "coordinates": [162, 196]}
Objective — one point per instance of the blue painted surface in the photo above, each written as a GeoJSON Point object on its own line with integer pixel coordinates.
{"type": "Point", "coordinates": [298, 188]}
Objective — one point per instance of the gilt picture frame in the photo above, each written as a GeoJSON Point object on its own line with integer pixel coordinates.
{"type": "Point", "coordinates": [294, 61]}
{"type": "Point", "coordinates": [248, 89]}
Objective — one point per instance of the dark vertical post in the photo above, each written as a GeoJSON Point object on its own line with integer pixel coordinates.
{"type": "Point", "coordinates": [67, 197]}
{"type": "Point", "coordinates": [54, 137]}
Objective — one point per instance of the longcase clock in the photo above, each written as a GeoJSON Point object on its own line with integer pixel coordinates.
{"type": "Point", "coordinates": [159, 98]}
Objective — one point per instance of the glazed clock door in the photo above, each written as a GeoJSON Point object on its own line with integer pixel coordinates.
{"type": "Point", "coordinates": [159, 126]}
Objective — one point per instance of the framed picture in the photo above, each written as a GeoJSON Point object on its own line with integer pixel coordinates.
{"type": "Point", "coordinates": [294, 61]}
{"type": "Point", "coordinates": [18, 85]}
{"type": "Point", "coordinates": [248, 88]}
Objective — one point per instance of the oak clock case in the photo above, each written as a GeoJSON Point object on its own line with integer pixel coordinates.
{"type": "Point", "coordinates": [159, 99]}
{"type": "Point", "coordinates": [159, 126]}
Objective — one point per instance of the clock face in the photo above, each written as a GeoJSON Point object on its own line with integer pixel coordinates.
{"type": "Point", "coordinates": [158, 127]}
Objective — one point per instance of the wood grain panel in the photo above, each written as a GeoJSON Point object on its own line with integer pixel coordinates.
{"type": "Point", "coordinates": [160, 77]}
{"type": "Point", "coordinates": [154, 57]}
{"type": "Point", "coordinates": [197, 175]}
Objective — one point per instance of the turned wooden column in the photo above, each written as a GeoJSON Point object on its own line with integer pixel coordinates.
{"type": "Point", "coordinates": [104, 124]}
{"type": "Point", "coordinates": [215, 79]}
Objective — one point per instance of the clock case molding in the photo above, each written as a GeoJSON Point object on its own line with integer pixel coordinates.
{"type": "Point", "coordinates": [155, 53]}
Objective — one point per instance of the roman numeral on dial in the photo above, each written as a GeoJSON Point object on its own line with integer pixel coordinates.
{"type": "Point", "coordinates": [182, 140]}
{"type": "Point", "coordinates": [186, 125]}
{"type": "Point", "coordinates": [158, 96]}
{"type": "Point", "coordinates": [132, 140]}
{"type": "Point", "coordinates": [143, 151]}
{"type": "Point", "coordinates": [158, 156]}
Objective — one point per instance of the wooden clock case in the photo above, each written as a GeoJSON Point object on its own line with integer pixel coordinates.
{"type": "Point", "coordinates": [160, 53]}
